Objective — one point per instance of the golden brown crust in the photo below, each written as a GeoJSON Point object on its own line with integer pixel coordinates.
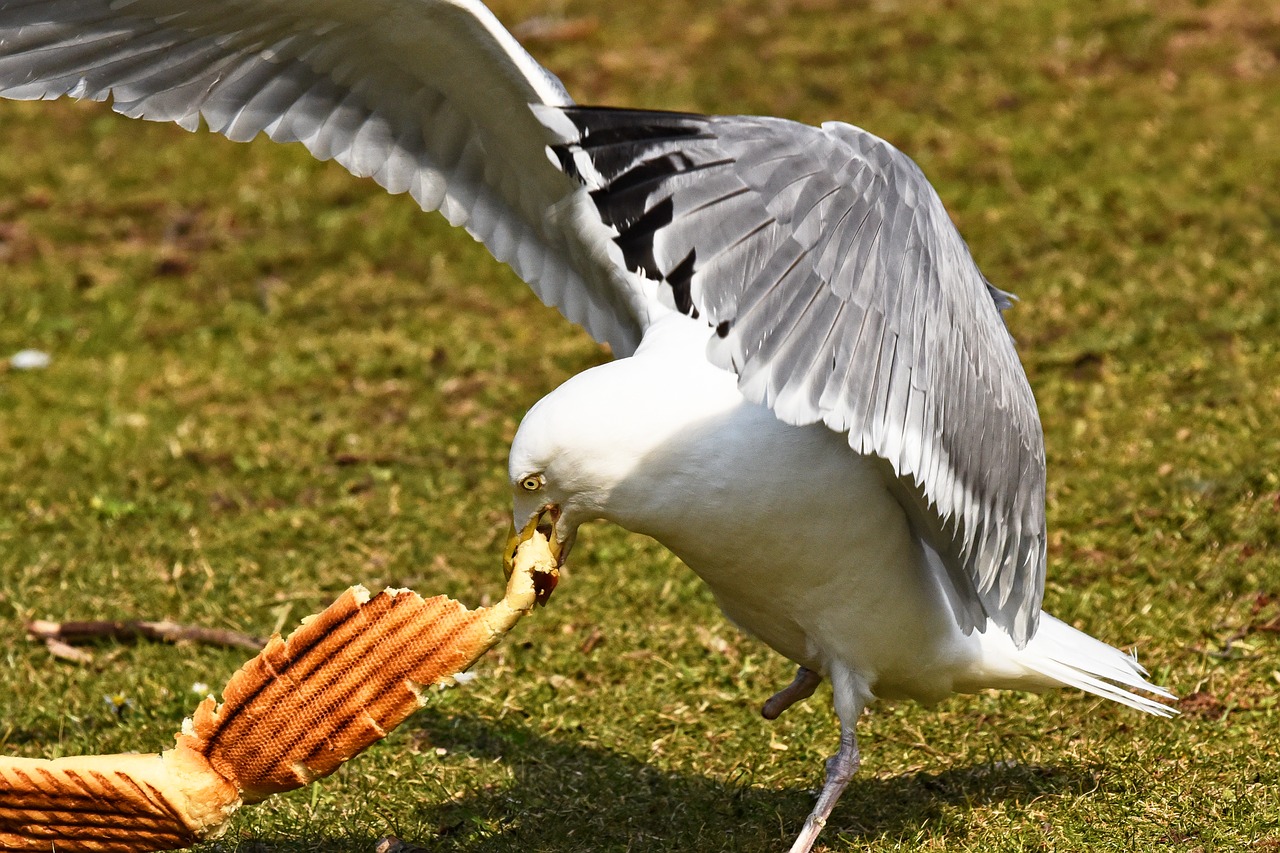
{"type": "Point", "coordinates": [305, 705]}
{"type": "Point", "coordinates": [110, 802]}
{"type": "Point", "coordinates": [292, 714]}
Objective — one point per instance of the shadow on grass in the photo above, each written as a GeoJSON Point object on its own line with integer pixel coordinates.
{"type": "Point", "coordinates": [570, 797]}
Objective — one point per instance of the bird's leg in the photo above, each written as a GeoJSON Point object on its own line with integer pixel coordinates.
{"type": "Point", "coordinates": [800, 688]}
{"type": "Point", "coordinates": [840, 769]}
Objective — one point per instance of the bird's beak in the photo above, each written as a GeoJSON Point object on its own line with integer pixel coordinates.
{"type": "Point", "coordinates": [544, 522]}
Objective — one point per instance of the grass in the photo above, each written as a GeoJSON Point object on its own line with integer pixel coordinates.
{"type": "Point", "coordinates": [271, 381]}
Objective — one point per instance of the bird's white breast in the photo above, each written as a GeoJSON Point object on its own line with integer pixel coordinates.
{"type": "Point", "coordinates": [798, 536]}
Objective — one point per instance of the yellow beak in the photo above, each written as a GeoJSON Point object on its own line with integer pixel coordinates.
{"type": "Point", "coordinates": [543, 521]}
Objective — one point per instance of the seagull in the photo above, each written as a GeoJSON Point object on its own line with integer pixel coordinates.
{"type": "Point", "coordinates": [815, 402]}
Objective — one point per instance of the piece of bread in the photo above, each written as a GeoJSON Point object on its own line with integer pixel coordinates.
{"type": "Point", "coordinates": [291, 715]}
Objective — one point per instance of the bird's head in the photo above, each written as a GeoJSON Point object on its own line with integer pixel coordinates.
{"type": "Point", "coordinates": [552, 490]}
{"type": "Point", "coordinates": [547, 497]}
{"type": "Point", "coordinates": [572, 454]}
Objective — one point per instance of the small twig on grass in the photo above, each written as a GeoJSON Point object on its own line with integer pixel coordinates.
{"type": "Point", "coordinates": [1228, 651]}
{"type": "Point", "coordinates": [58, 637]}
{"type": "Point", "coordinates": [64, 651]}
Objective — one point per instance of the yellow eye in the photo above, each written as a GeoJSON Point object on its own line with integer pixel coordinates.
{"type": "Point", "coordinates": [533, 482]}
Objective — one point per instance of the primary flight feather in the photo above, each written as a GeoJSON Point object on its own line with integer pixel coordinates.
{"type": "Point", "coordinates": [816, 403]}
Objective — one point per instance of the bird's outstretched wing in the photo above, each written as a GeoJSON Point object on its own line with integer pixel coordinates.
{"type": "Point", "coordinates": [428, 97]}
{"type": "Point", "coordinates": [839, 291]}
{"type": "Point", "coordinates": [835, 283]}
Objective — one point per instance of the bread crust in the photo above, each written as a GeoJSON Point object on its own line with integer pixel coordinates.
{"type": "Point", "coordinates": [292, 714]}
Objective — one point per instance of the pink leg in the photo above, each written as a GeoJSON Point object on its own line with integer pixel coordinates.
{"type": "Point", "coordinates": [802, 687]}
{"type": "Point", "coordinates": [840, 769]}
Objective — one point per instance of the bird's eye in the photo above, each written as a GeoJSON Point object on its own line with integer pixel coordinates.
{"type": "Point", "coordinates": [532, 483]}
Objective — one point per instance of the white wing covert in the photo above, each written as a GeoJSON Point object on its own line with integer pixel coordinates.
{"type": "Point", "coordinates": [428, 97]}
{"type": "Point", "coordinates": [839, 291]}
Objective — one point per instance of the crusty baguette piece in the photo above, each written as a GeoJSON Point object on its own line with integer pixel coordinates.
{"type": "Point", "coordinates": [291, 715]}
{"type": "Point", "coordinates": [112, 802]}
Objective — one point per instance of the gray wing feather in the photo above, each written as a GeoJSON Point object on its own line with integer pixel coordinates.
{"type": "Point", "coordinates": [428, 97]}
{"type": "Point", "coordinates": [840, 292]}
{"type": "Point", "coordinates": [837, 286]}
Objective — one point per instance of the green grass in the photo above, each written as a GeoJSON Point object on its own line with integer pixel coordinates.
{"type": "Point", "coordinates": [271, 381]}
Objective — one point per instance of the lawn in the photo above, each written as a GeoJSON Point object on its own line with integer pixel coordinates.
{"type": "Point", "coordinates": [270, 381]}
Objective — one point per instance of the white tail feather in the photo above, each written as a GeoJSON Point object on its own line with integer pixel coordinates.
{"type": "Point", "coordinates": [1073, 658]}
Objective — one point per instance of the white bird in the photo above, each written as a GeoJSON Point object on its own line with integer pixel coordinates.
{"type": "Point", "coordinates": [816, 404]}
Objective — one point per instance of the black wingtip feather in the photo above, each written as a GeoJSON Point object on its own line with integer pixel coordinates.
{"type": "Point", "coordinates": [636, 241]}
{"type": "Point", "coordinates": [681, 280]}
{"type": "Point", "coordinates": [600, 127]}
